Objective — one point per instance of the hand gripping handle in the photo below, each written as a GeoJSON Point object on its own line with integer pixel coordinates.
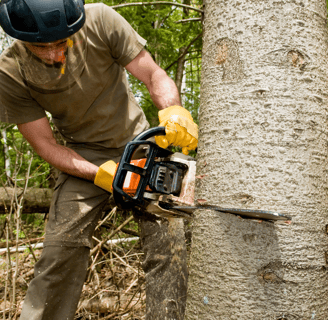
{"type": "Point", "coordinates": [121, 198]}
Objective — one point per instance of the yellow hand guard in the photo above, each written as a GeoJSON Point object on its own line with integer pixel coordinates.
{"type": "Point", "coordinates": [179, 127]}
{"type": "Point", "coordinates": [105, 175]}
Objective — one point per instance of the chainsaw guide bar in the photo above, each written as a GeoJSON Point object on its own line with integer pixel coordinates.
{"type": "Point", "coordinates": [245, 213]}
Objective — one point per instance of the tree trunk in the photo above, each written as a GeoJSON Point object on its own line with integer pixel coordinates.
{"type": "Point", "coordinates": [263, 145]}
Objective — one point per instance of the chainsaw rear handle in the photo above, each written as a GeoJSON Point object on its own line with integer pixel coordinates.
{"type": "Point", "coordinates": [124, 200]}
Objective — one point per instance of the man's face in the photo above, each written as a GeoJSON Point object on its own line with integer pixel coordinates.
{"type": "Point", "coordinates": [51, 53]}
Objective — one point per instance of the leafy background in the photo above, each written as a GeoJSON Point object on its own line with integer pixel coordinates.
{"type": "Point", "coordinates": [174, 40]}
{"type": "Point", "coordinates": [173, 35]}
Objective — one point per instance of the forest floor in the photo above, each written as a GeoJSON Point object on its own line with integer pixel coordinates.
{"type": "Point", "coordinates": [114, 287]}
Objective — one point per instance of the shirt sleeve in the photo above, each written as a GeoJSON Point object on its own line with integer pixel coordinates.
{"type": "Point", "coordinates": [16, 104]}
{"type": "Point", "coordinates": [124, 42]}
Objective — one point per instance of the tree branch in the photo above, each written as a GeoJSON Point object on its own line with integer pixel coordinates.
{"type": "Point", "coordinates": [156, 3]}
{"type": "Point", "coordinates": [100, 244]}
{"type": "Point", "coordinates": [185, 51]}
{"type": "Point", "coordinates": [188, 20]}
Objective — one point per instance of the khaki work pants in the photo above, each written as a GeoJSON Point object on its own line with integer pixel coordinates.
{"type": "Point", "coordinates": [59, 275]}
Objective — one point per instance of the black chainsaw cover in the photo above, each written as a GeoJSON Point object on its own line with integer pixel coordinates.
{"type": "Point", "coordinates": [121, 198]}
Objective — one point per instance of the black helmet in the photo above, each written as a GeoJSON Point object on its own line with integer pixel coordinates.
{"type": "Point", "coordinates": [41, 20]}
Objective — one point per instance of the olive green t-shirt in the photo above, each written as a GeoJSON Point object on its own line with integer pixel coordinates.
{"type": "Point", "coordinates": [100, 108]}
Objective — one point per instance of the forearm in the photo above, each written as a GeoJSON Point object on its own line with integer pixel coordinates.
{"type": "Point", "coordinates": [67, 160]}
{"type": "Point", "coordinates": [39, 134]}
{"type": "Point", "coordinates": [163, 90]}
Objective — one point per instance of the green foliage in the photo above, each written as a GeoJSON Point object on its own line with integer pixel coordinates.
{"type": "Point", "coordinates": [21, 234]}
{"type": "Point", "coordinates": [167, 38]}
{"type": "Point", "coordinates": [20, 156]}
{"type": "Point", "coordinates": [33, 224]}
{"type": "Point", "coordinates": [35, 219]}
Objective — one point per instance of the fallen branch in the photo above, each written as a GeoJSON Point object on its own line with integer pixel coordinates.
{"type": "Point", "coordinates": [124, 263]}
{"type": "Point", "coordinates": [21, 242]}
{"type": "Point", "coordinates": [108, 304]}
{"type": "Point", "coordinates": [108, 217]}
{"type": "Point", "coordinates": [103, 306]}
{"type": "Point", "coordinates": [100, 244]}
{"type": "Point", "coordinates": [36, 200]}
{"type": "Point", "coordinates": [21, 248]}
{"type": "Point", "coordinates": [40, 245]}
{"type": "Point", "coordinates": [125, 230]}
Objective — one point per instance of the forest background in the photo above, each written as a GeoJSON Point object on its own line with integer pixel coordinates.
{"type": "Point", "coordinates": [173, 31]}
{"type": "Point", "coordinates": [115, 283]}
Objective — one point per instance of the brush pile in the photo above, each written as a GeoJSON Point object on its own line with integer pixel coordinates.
{"type": "Point", "coordinates": [114, 287]}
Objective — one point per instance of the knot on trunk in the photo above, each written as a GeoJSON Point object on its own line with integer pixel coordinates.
{"type": "Point", "coordinates": [229, 58]}
{"type": "Point", "coordinates": [296, 59]}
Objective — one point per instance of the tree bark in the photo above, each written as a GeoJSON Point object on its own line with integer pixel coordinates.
{"type": "Point", "coordinates": [36, 200]}
{"type": "Point", "coordinates": [263, 145]}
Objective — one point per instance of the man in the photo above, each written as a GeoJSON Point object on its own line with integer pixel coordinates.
{"type": "Point", "coordinates": [69, 60]}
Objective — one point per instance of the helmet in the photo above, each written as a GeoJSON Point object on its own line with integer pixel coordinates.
{"type": "Point", "coordinates": [41, 20]}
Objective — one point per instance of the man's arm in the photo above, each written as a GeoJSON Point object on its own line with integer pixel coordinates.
{"type": "Point", "coordinates": [39, 134]}
{"type": "Point", "coordinates": [161, 87]}
{"type": "Point", "coordinates": [180, 129]}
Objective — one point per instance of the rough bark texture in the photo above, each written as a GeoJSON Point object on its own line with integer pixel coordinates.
{"type": "Point", "coordinates": [165, 267]}
{"type": "Point", "coordinates": [36, 200]}
{"type": "Point", "coordinates": [263, 145]}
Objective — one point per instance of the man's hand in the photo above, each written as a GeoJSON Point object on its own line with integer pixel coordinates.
{"type": "Point", "coordinates": [179, 127]}
{"type": "Point", "coordinates": [105, 175]}
{"type": "Point", "coordinates": [161, 87]}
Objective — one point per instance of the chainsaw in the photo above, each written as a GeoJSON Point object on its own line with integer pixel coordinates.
{"type": "Point", "coordinates": [163, 183]}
